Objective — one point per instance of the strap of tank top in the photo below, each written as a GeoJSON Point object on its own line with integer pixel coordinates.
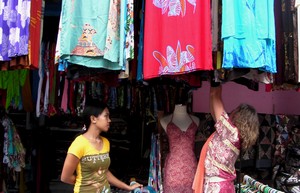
{"type": "Point", "coordinates": [192, 119]}
{"type": "Point", "coordinates": [172, 118]}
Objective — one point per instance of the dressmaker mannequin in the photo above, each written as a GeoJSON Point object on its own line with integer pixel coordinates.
{"type": "Point", "coordinates": [181, 118]}
{"type": "Point", "coordinates": [181, 163]}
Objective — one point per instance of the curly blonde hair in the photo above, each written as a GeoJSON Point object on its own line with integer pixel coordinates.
{"type": "Point", "coordinates": [245, 118]}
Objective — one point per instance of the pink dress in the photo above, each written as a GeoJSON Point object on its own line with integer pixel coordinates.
{"type": "Point", "coordinates": [181, 163]}
{"type": "Point", "coordinates": [221, 156]}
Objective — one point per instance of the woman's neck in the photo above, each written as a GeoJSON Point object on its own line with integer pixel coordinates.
{"type": "Point", "coordinates": [92, 133]}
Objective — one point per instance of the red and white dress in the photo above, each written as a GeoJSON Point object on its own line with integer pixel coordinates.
{"type": "Point", "coordinates": [177, 37]}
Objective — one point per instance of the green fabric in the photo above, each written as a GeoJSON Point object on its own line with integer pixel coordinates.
{"type": "Point", "coordinates": [12, 80]}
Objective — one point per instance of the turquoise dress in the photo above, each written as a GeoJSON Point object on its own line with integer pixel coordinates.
{"type": "Point", "coordinates": [248, 32]}
{"type": "Point", "coordinates": [89, 33]}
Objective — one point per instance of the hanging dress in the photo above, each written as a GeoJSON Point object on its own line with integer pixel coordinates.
{"type": "Point", "coordinates": [14, 28]}
{"type": "Point", "coordinates": [155, 180]}
{"type": "Point", "coordinates": [83, 32]}
{"type": "Point", "coordinates": [248, 33]}
{"type": "Point", "coordinates": [297, 6]}
{"type": "Point", "coordinates": [35, 32]}
{"type": "Point", "coordinates": [181, 163]}
{"type": "Point", "coordinates": [177, 37]}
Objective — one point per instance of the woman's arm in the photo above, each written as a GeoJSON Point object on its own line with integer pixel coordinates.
{"type": "Point", "coordinates": [215, 102]}
{"type": "Point", "coordinates": [70, 164]}
{"type": "Point", "coordinates": [119, 184]}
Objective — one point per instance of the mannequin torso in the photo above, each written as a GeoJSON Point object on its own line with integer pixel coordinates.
{"type": "Point", "coordinates": [180, 118]}
{"type": "Point", "coordinates": [180, 163]}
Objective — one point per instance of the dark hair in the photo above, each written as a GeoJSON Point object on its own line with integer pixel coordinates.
{"type": "Point", "coordinates": [245, 118]}
{"type": "Point", "coordinates": [93, 108]}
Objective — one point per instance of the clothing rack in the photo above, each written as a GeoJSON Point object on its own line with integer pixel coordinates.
{"type": "Point", "coordinates": [250, 185]}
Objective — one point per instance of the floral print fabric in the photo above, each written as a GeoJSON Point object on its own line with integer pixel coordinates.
{"type": "Point", "coordinates": [181, 163]}
{"type": "Point", "coordinates": [221, 156]}
{"type": "Point", "coordinates": [177, 37]}
{"type": "Point", "coordinates": [14, 28]}
{"type": "Point", "coordinates": [88, 36]}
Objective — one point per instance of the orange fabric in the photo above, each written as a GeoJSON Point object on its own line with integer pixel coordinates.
{"type": "Point", "coordinates": [199, 176]}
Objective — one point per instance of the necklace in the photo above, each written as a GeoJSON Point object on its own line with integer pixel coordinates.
{"type": "Point", "coordinates": [94, 140]}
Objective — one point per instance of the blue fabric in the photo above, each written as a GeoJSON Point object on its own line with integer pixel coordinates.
{"type": "Point", "coordinates": [14, 19]}
{"type": "Point", "coordinates": [248, 32]}
{"type": "Point", "coordinates": [139, 76]}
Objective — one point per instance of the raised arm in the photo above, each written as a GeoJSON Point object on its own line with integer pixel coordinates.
{"type": "Point", "coordinates": [215, 101]}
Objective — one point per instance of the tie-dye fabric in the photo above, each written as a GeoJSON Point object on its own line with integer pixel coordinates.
{"type": "Point", "coordinates": [14, 28]}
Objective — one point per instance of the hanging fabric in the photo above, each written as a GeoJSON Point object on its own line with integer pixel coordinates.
{"type": "Point", "coordinates": [139, 76]}
{"type": "Point", "coordinates": [289, 40]}
{"type": "Point", "coordinates": [248, 33]}
{"type": "Point", "coordinates": [84, 33]}
{"type": "Point", "coordinates": [12, 81]}
{"type": "Point", "coordinates": [155, 177]}
{"type": "Point", "coordinates": [297, 5]}
{"type": "Point", "coordinates": [128, 46]}
{"type": "Point", "coordinates": [13, 150]}
{"type": "Point", "coordinates": [35, 32]}
{"type": "Point", "coordinates": [177, 37]}
{"type": "Point", "coordinates": [251, 185]}
{"type": "Point", "coordinates": [122, 31]}
{"type": "Point", "coordinates": [14, 31]}
{"type": "Point", "coordinates": [129, 27]}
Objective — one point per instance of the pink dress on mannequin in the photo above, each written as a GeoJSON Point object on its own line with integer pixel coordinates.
{"type": "Point", "coordinates": [181, 163]}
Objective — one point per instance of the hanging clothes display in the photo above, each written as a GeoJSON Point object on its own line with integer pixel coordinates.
{"type": "Point", "coordinates": [248, 33]}
{"type": "Point", "coordinates": [12, 81]}
{"type": "Point", "coordinates": [37, 7]}
{"type": "Point", "coordinates": [129, 27]}
{"type": "Point", "coordinates": [215, 25]}
{"type": "Point", "coordinates": [251, 185]}
{"type": "Point", "coordinates": [90, 36]}
{"type": "Point", "coordinates": [297, 6]}
{"type": "Point", "coordinates": [14, 31]}
{"type": "Point", "coordinates": [286, 45]}
{"type": "Point", "coordinates": [127, 39]}
{"type": "Point", "coordinates": [155, 177]}
{"type": "Point", "coordinates": [290, 36]}
{"type": "Point", "coordinates": [177, 37]}
{"type": "Point", "coordinates": [140, 57]}
{"type": "Point", "coordinates": [13, 150]}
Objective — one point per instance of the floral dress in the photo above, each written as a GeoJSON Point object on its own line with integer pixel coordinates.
{"type": "Point", "coordinates": [221, 156]}
{"type": "Point", "coordinates": [181, 163]}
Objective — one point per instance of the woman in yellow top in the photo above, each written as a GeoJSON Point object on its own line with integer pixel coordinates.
{"type": "Point", "coordinates": [87, 162]}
